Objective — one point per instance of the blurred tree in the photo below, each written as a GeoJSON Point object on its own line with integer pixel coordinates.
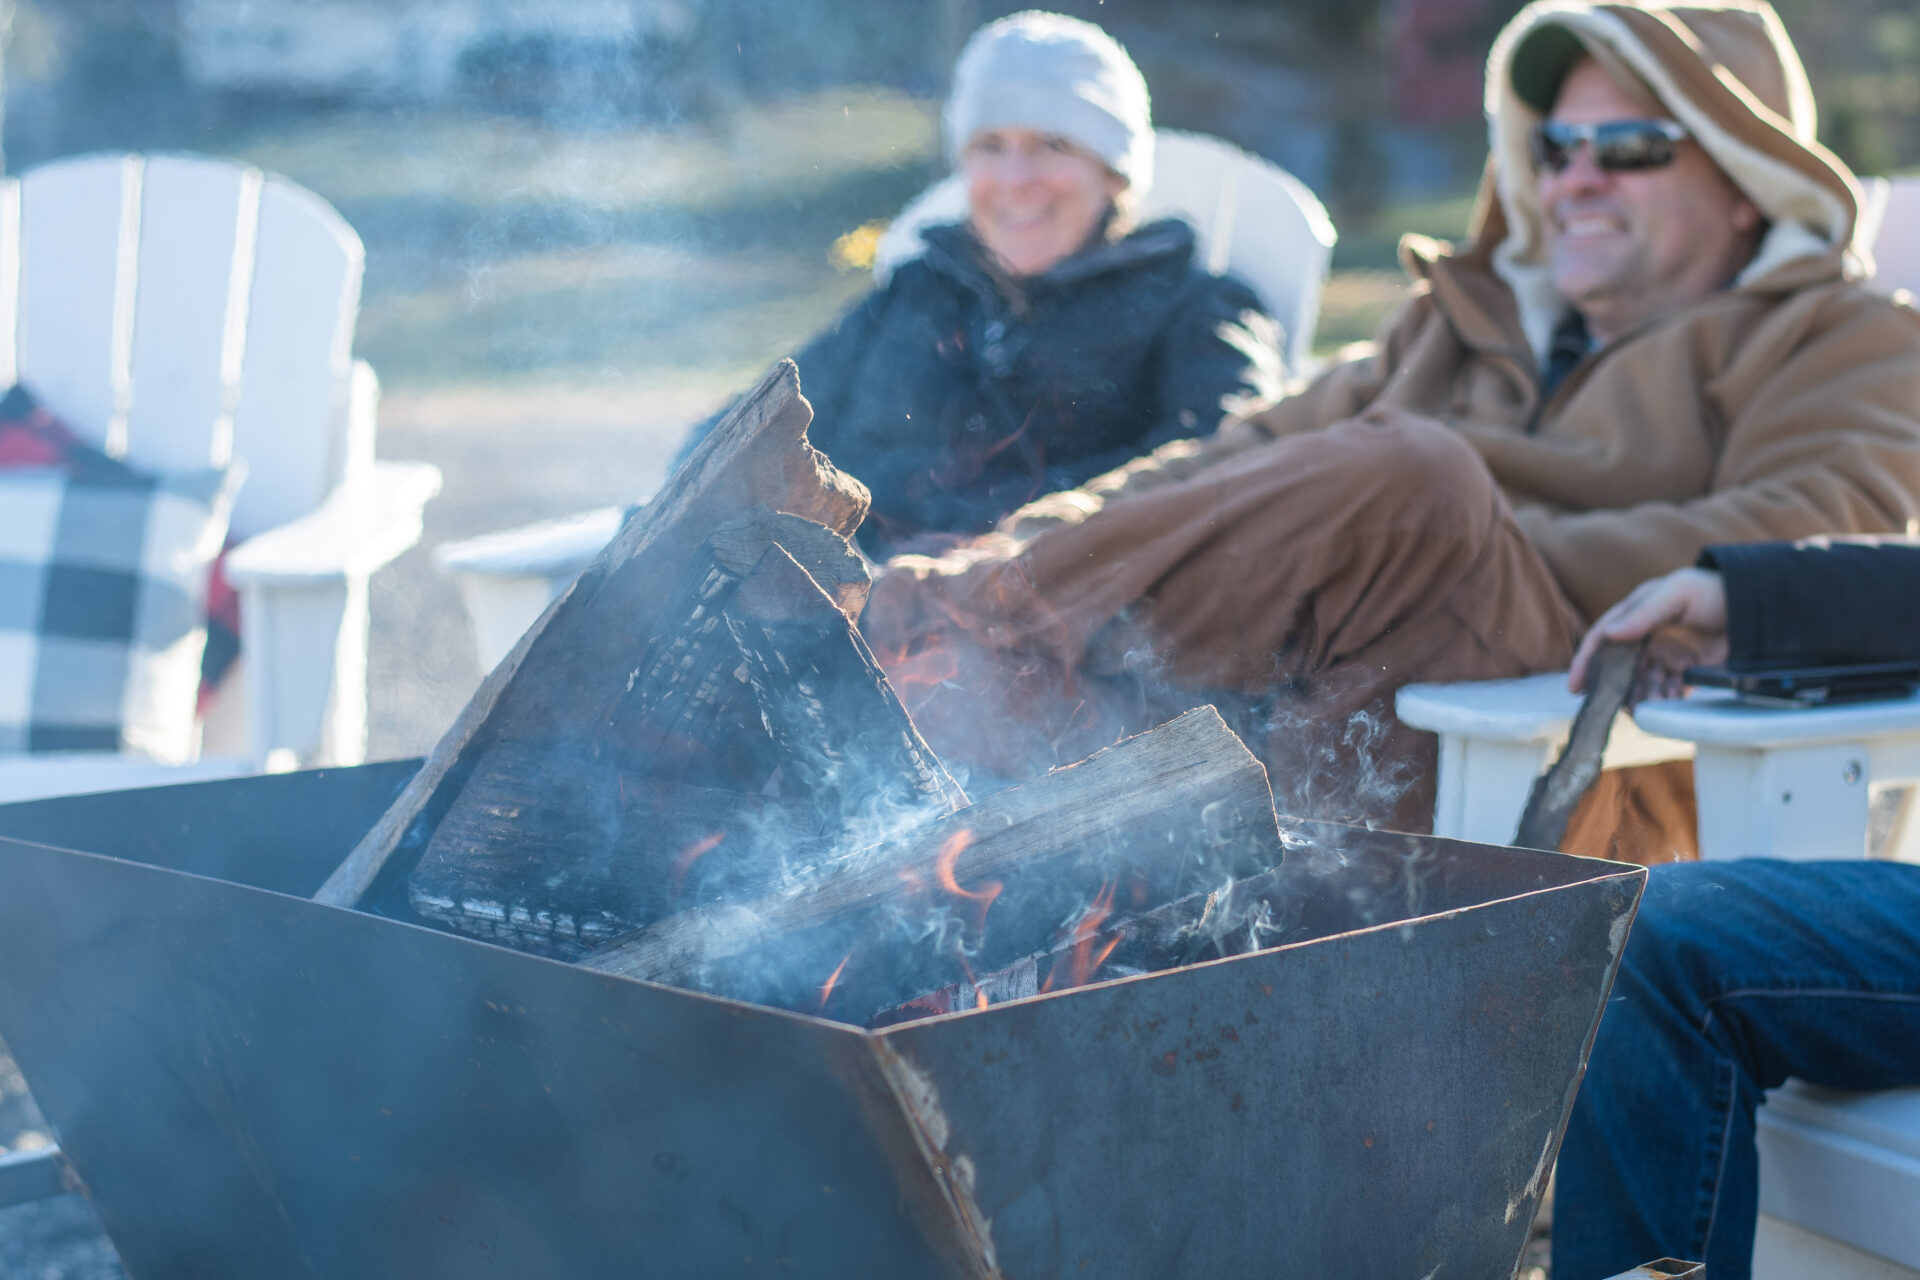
{"type": "Point", "coordinates": [6, 42]}
{"type": "Point", "coordinates": [1340, 26]}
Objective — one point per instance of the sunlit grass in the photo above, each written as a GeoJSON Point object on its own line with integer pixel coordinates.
{"type": "Point", "coordinates": [1376, 245]}
{"type": "Point", "coordinates": [501, 249]}
{"type": "Point", "coordinates": [784, 148]}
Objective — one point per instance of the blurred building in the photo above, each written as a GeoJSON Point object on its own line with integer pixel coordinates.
{"type": "Point", "coordinates": [424, 50]}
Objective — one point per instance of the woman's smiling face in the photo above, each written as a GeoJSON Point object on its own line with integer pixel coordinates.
{"type": "Point", "coordinates": [1034, 198]}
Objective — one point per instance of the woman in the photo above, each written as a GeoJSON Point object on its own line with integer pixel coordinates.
{"type": "Point", "coordinates": [1045, 340]}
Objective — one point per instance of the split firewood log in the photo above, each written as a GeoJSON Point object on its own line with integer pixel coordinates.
{"type": "Point", "coordinates": [559, 696]}
{"type": "Point", "coordinates": [1231, 920]}
{"type": "Point", "coordinates": [1181, 809]}
{"type": "Point", "coordinates": [781, 740]}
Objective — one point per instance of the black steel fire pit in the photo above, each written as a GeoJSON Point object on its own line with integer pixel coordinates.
{"type": "Point", "coordinates": [252, 1085]}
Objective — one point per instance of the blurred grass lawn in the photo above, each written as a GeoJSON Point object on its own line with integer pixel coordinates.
{"type": "Point", "coordinates": [505, 252]}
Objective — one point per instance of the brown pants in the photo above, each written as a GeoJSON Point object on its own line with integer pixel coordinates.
{"type": "Point", "coordinates": [1296, 585]}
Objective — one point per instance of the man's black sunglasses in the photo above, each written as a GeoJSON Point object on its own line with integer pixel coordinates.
{"type": "Point", "coordinates": [1616, 145]}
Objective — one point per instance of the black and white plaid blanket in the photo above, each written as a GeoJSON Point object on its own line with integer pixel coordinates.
{"type": "Point", "coordinates": [103, 582]}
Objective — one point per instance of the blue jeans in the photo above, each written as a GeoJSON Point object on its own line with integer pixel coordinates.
{"type": "Point", "coordinates": [1737, 975]}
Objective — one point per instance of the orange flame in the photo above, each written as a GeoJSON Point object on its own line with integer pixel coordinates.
{"type": "Point", "coordinates": [1083, 962]}
{"type": "Point", "coordinates": [826, 988]}
{"type": "Point", "coordinates": [916, 667]}
{"type": "Point", "coordinates": [979, 992]}
{"type": "Point", "coordinates": [692, 854]}
{"type": "Point", "coordinates": [943, 864]}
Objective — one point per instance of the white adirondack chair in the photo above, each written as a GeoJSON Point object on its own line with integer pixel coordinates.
{"type": "Point", "coordinates": [1252, 218]}
{"type": "Point", "coordinates": [180, 311]}
{"type": "Point", "coordinates": [1839, 1173]}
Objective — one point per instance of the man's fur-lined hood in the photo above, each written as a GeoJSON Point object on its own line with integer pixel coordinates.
{"type": "Point", "coordinates": [1729, 75]}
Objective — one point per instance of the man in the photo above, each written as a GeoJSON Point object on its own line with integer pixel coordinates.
{"type": "Point", "coordinates": [1652, 340]}
{"type": "Point", "coordinates": [1740, 973]}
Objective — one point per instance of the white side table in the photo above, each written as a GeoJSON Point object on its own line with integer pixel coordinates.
{"type": "Point", "coordinates": [1771, 782]}
{"type": "Point", "coordinates": [508, 579]}
{"type": "Point", "coordinates": [1791, 782]}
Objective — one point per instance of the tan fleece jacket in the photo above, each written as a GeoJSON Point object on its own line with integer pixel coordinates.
{"type": "Point", "coordinates": [1785, 405]}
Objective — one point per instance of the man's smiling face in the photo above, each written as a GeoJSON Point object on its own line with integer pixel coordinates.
{"type": "Point", "coordinates": [1627, 246]}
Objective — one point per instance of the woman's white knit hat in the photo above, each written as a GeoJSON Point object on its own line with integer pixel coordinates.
{"type": "Point", "coordinates": [1054, 74]}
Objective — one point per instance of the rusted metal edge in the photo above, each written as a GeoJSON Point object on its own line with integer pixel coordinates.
{"type": "Point", "coordinates": [918, 1101]}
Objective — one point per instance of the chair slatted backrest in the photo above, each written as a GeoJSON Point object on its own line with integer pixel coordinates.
{"type": "Point", "coordinates": [1251, 217]}
{"type": "Point", "coordinates": [178, 311]}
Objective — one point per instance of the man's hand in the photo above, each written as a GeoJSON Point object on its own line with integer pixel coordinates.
{"type": "Point", "coordinates": [1685, 613]}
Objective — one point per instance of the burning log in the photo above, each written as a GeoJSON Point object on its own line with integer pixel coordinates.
{"type": "Point", "coordinates": [548, 851]}
{"type": "Point", "coordinates": [571, 668]}
{"type": "Point", "coordinates": [1178, 810]}
{"type": "Point", "coordinates": [842, 734]}
{"type": "Point", "coordinates": [562, 846]}
{"type": "Point", "coordinates": [1239, 916]}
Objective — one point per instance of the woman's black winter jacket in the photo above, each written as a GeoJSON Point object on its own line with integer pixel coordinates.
{"type": "Point", "coordinates": [956, 398]}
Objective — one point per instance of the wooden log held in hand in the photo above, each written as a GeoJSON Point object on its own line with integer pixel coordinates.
{"type": "Point", "coordinates": [1557, 792]}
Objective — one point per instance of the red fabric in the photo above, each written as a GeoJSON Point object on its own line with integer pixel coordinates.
{"type": "Point", "coordinates": [223, 631]}
{"type": "Point", "coordinates": [32, 437]}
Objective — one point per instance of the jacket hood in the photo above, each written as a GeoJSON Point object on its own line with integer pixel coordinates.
{"type": "Point", "coordinates": [1730, 76]}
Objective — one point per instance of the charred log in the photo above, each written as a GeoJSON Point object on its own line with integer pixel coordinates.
{"type": "Point", "coordinates": [839, 730]}
{"type": "Point", "coordinates": [572, 666]}
{"type": "Point", "coordinates": [1239, 917]}
{"type": "Point", "coordinates": [757, 734]}
{"type": "Point", "coordinates": [1181, 809]}
{"type": "Point", "coordinates": [557, 854]}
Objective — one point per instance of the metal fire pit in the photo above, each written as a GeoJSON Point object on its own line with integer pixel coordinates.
{"type": "Point", "coordinates": [251, 1085]}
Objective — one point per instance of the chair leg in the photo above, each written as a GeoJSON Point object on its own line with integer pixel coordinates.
{"type": "Point", "coordinates": [306, 672]}
{"type": "Point", "coordinates": [1483, 785]}
{"type": "Point", "coordinates": [1785, 802]}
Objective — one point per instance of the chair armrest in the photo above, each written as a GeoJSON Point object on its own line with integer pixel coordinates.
{"type": "Point", "coordinates": [70, 773]}
{"type": "Point", "coordinates": [1723, 720]}
{"type": "Point", "coordinates": [360, 527]}
{"type": "Point", "coordinates": [548, 549]}
{"type": "Point", "coordinates": [1530, 709]}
